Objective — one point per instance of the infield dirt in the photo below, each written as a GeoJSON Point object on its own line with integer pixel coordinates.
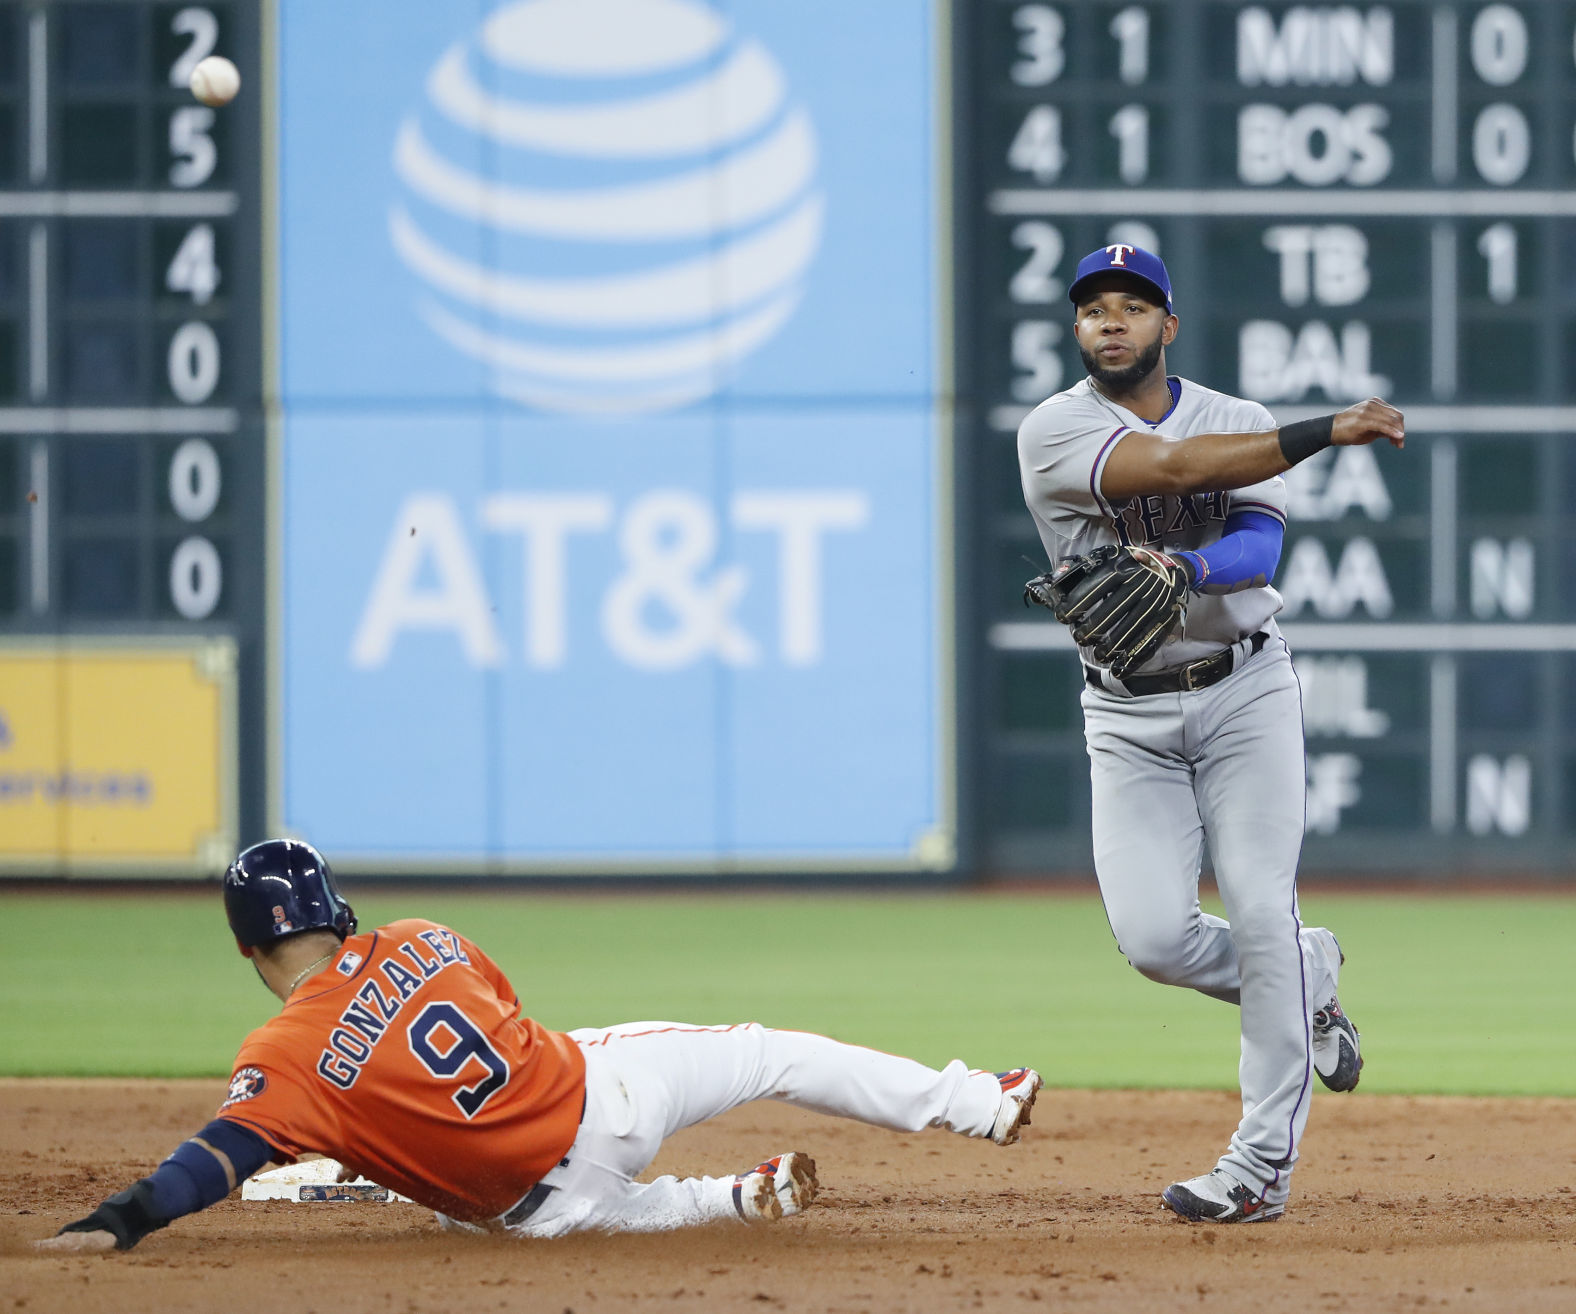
{"type": "Point", "coordinates": [1400, 1203]}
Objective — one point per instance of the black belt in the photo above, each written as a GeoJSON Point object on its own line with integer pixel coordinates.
{"type": "Point", "coordinates": [1195, 675]}
{"type": "Point", "coordinates": [533, 1200]}
{"type": "Point", "coordinates": [536, 1197]}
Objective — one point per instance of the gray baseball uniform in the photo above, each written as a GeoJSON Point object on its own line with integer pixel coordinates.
{"type": "Point", "coordinates": [1222, 765]}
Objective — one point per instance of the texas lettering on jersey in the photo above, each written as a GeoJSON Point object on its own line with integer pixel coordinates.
{"type": "Point", "coordinates": [1148, 521]}
{"type": "Point", "coordinates": [407, 1059]}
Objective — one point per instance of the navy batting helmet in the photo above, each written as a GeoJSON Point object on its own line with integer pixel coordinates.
{"type": "Point", "coordinates": [282, 887]}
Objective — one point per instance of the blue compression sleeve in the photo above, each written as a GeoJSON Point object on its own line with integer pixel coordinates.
{"type": "Point", "coordinates": [1244, 557]}
{"type": "Point", "coordinates": [195, 1176]}
{"type": "Point", "coordinates": [201, 1172]}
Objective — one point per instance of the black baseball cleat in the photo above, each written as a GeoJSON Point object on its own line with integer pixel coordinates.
{"type": "Point", "coordinates": [1218, 1197]}
{"type": "Point", "coordinates": [1337, 1047]}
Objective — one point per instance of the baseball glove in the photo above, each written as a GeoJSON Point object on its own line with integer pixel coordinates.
{"type": "Point", "coordinates": [1120, 602]}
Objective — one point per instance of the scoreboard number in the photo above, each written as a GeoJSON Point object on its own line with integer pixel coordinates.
{"type": "Point", "coordinates": [1037, 148]}
{"type": "Point", "coordinates": [194, 480]}
{"type": "Point", "coordinates": [1035, 281]}
{"type": "Point", "coordinates": [1499, 45]}
{"type": "Point", "coordinates": [192, 147]}
{"type": "Point", "coordinates": [203, 29]}
{"type": "Point", "coordinates": [194, 269]}
{"type": "Point", "coordinates": [195, 576]}
{"type": "Point", "coordinates": [1497, 245]}
{"type": "Point", "coordinates": [1130, 126]}
{"type": "Point", "coordinates": [193, 360]}
{"type": "Point", "coordinates": [1043, 57]}
{"type": "Point", "coordinates": [1130, 27]}
{"type": "Point", "coordinates": [1035, 356]}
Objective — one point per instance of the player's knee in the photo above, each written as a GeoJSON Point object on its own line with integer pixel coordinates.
{"type": "Point", "coordinates": [1257, 921]}
{"type": "Point", "coordinates": [1160, 955]}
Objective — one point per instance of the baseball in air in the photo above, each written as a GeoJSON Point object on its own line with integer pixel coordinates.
{"type": "Point", "coordinates": [215, 80]}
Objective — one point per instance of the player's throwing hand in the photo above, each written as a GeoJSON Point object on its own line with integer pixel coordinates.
{"type": "Point", "coordinates": [1367, 422]}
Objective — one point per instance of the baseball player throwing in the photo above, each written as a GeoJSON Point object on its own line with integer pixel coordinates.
{"type": "Point", "coordinates": [401, 1052]}
{"type": "Point", "coordinates": [1162, 504]}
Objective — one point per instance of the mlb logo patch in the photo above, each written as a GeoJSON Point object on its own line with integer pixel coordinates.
{"type": "Point", "coordinates": [348, 964]}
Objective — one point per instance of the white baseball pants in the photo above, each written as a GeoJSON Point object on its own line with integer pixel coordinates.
{"type": "Point", "coordinates": [647, 1080]}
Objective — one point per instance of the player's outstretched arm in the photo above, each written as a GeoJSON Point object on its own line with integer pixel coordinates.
{"type": "Point", "coordinates": [1143, 463]}
{"type": "Point", "coordinates": [201, 1172]}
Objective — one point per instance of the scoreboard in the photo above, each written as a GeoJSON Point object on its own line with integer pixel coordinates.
{"type": "Point", "coordinates": [1352, 199]}
{"type": "Point", "coordinates": [131, 439]}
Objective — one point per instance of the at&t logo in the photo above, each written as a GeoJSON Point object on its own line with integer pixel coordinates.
{"type": "Point", "coordinates": [609, 203]}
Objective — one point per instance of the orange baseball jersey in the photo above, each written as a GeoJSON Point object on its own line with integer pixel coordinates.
{"type": "Point", "coordinates": [406, 1058]}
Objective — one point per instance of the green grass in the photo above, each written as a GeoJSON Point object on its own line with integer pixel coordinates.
{"type": "Point", "coordinates": [1454, 994]}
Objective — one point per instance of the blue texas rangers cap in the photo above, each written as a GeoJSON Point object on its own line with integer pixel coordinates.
{"type": "Point", "coordinates": [1121, 258]}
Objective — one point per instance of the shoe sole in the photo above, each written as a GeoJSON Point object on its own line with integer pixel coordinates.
{"type": "Point", "coordinates": [803, 1185]}
{"type": "Point", "coordinates": [1025, 1105]}
{"type": "Point", "coordinates": [1335, 1081]}
{"type": "Point", "coordinates": [1343, 1078]}
{"type": "Point", "coordinates": [1178, 1203]}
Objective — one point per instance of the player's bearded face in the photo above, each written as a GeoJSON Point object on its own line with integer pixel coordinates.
{"type": "Point", "coordinates": [1125, 377]}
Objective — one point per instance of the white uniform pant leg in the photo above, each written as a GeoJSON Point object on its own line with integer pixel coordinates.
{"type": "Point", "coordinates": [647, 1080]}
{"type": "Point", "coordinates": [1251, 791]}
{"type": "Point", "coordinates": [1149, 843]}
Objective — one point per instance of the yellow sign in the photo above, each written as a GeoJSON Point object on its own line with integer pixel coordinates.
{"type": "Point", "coordinates": [116, 758]}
